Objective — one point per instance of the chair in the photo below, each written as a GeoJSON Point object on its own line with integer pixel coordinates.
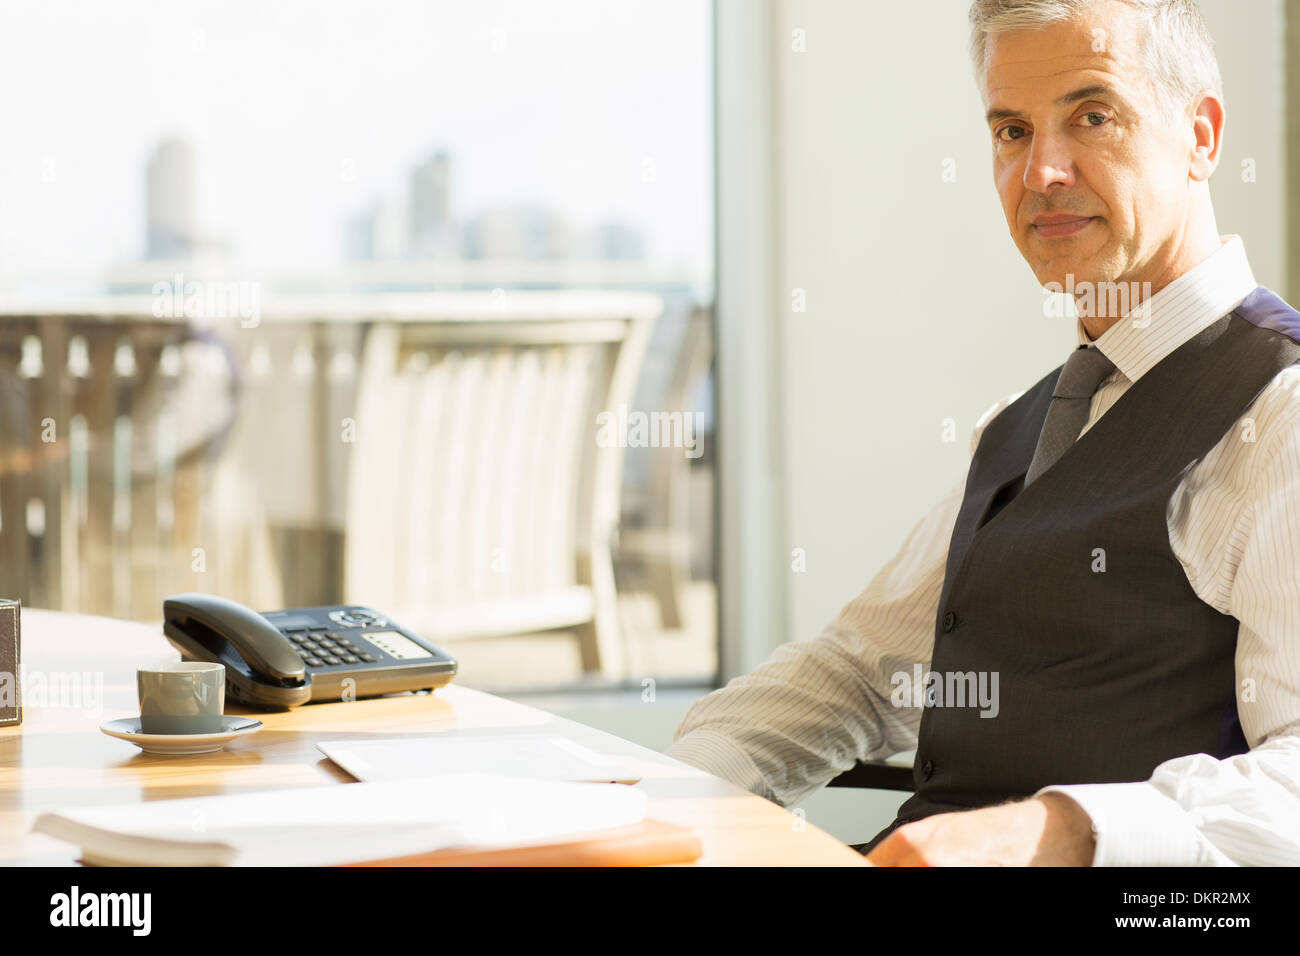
{"type": "Point", "coordinates": [480, 500]}
{"type": "Point", "coordinates": [875, 776]}
{"type": "Point", "coordinates": [663, 541]}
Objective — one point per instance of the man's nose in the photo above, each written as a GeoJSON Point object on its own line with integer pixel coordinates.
{"type": "Point", "coordinates": [1050, 160]}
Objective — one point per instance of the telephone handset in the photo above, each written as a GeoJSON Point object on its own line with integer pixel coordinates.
{"type": "Point", "coordinates": [281, 659]}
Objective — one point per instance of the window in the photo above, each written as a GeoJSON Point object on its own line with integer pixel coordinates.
{"type": "Point", "coordinates": [312, 160]}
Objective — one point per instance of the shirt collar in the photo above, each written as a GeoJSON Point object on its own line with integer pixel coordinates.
{"type": "Point", "coordinates": [1193, 301]}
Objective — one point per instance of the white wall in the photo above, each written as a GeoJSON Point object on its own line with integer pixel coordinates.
{"type": "Point", "coordinates": [919, 306]}
{"type": "Point", "coordinates": [1249, 38]}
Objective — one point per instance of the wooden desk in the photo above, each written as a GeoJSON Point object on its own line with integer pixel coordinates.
{"type": "Point", "coordinates": [58, 757]}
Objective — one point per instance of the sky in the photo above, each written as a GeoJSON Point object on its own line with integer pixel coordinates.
{"type": "Point", "coordinates": [301, 113]}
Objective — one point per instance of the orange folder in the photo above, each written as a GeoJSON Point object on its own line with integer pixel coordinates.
{"type": "Point", "coordinates": [647, 843]}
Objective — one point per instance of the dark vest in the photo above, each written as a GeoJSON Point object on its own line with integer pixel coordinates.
{"type": "Point", "coordinates": [1102, 675]}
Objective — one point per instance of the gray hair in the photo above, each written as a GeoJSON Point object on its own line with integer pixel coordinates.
{"type": "Point", "coordinates": [1177, 46]}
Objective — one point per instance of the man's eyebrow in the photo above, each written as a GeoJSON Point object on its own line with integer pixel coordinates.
{"type": "Point", "coordinates": [1074, 96]}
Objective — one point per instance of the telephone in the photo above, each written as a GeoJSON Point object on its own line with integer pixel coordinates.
{"type": "Point", "coordinates": [280, 659]}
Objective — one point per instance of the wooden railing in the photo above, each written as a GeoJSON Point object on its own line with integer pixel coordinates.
{"type": "Point", "coordinates": [113, 471]}
{"type": "Point", "coordinates": [451, 435]}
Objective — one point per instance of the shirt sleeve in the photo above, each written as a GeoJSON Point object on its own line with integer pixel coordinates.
{"type": "Point", "coordinates": [816, 707]}
{"type": "Point", "coordinates": [1244, 810]}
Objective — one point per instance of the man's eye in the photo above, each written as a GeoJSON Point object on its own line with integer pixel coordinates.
{"type": "Point", "coordinates": [1100, 117]}
{"type": "Point", "coordinates": [1002, 133]}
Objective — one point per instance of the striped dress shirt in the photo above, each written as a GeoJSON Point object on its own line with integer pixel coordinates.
{"type": "Point", "coordinates": [815, 707]}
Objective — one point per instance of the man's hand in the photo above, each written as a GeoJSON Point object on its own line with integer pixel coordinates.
{"type": "Point", "coordinates": [1051, 830]}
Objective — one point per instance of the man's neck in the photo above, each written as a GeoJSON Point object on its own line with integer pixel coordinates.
{"type": "Point", "coordinates": [1188, 256]}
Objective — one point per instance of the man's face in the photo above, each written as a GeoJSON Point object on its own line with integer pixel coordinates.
{"type": "Point", "coordinates": [1092, 177]}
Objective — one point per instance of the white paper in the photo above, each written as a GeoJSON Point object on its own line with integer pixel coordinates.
{"type": "Point", "coordinates": [533, 756]}
{"type": "Point", "coordinates": [352, 822]}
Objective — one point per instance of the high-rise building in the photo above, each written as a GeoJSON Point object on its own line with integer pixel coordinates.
{"type": "Point", "coordinates": [171, 205]}
{"type": "Point", "coordinates": [430, 229]}
{"type": "Point", "coordinates": [521, 231]}
{"type": "Point", "coordinates": [374, 233]}
{"type": "Point", "coordinates": [615, 240]}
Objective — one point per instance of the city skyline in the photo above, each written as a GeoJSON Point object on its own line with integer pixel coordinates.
{"type": "Point", "coordinates": [308, 122]}
{"type": "Point", "coordinates": [423, 224]}
{"type": "Point", "coordinates": [418, 225]}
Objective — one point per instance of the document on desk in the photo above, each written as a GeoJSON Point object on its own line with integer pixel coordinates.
{"type": "Point", "coordinates": [519, 755]}
{"type": "Point", "coordinates": [311, 826]}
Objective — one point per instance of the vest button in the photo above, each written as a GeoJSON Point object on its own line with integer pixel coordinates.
{"type": "Point", "coordinates": [949, 621]}
{"type": "Point", "coordinates": [927, 770]}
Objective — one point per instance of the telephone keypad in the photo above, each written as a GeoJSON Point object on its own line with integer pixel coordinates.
{"type": "Point", "coordinates": [340, 642]}
{"type": "Point", "coordinates": [321, 647]}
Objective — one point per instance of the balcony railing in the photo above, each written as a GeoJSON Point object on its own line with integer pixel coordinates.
{"type": "Point", "coordinates": [433, 454]}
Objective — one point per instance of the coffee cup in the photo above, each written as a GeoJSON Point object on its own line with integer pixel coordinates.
{"type": "Point", "coordinates": [181, 697]}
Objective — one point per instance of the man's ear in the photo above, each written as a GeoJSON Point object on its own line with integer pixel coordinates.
{"type": "Point", "coordinates": [1207, 130]}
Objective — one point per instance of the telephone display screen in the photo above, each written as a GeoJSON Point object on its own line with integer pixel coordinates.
{"type": "Point", "coordinates": [396, 644]}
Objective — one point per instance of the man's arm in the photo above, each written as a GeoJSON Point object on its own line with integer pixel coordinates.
{"type": "Point", "coordinates": [816, 707]}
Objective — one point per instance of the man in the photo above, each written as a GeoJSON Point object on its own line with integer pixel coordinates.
{"type": "Point", "coordinates": [1119, 565]}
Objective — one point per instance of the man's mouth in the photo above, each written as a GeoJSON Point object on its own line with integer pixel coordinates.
{"type": "Point", "coordinates": [1059, 226]}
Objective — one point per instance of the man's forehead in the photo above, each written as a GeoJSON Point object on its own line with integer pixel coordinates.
{"type": "Point", "coordinates": [1058, 58]}
{"type": "Point", "coordinates": [1014, 91]}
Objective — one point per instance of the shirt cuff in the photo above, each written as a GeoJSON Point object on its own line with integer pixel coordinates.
{"type": "Point", "coordinates": [1135, 825]}
{"type": "Point", "coordinates": [719, 755]}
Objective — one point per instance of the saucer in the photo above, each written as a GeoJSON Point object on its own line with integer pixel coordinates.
{"type": "Point", "coordinates": [128, 728]}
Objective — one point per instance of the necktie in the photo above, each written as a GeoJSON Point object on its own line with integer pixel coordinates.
{"type": "Point", "coordinates": [1071, 399]}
